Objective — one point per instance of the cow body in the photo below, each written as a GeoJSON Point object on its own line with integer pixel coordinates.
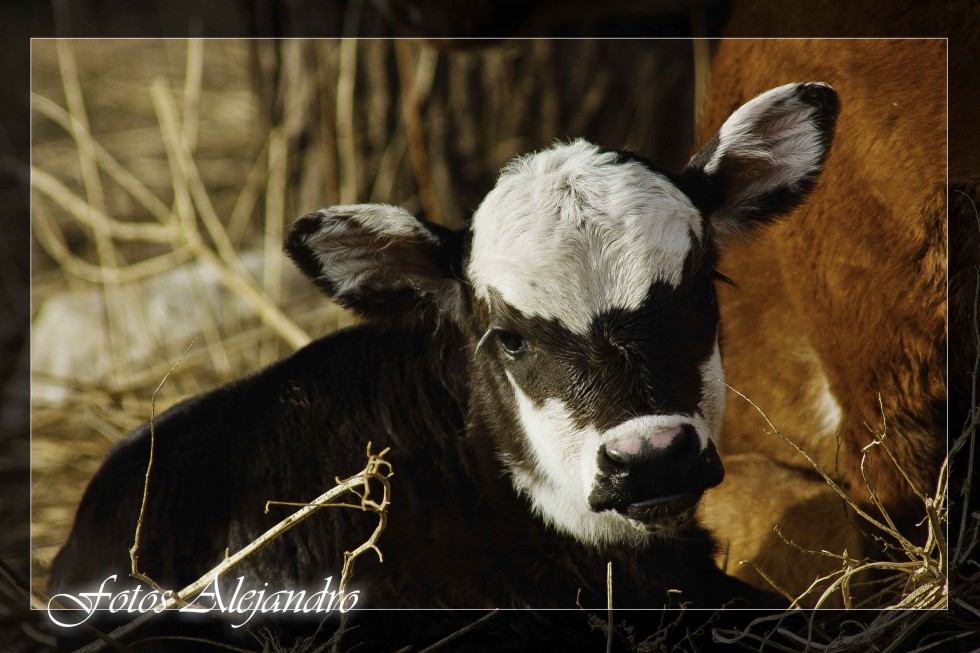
{"type": "Point", "coordinates": [549, 383]}
{"type": "Point", "coordinates": [458, 535]}
{"type": "Point", "coordinates": [842, 309]}
{"type": "Point", "coordinates": [856, 317]}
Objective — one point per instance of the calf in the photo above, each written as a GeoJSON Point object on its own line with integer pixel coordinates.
{"type": "Point", "coordinates": [549, 382]}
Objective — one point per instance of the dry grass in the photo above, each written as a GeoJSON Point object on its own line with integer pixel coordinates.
{"type": "Point", "coordinates": [108, 234]}
{"type": "Point", "coordinates": [918, 575]}
{"type": "Point", "coordinates": [376, 471]}
{"type": "Point", "coordinates": [943, 593]}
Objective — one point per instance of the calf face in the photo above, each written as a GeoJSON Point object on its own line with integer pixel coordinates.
{"type": "Point", "coordinates": [585, 287]}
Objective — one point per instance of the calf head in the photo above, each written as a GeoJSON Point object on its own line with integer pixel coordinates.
{"type": "Point", "coordinates": [586, 291]}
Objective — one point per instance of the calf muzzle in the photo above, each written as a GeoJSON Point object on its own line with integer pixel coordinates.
{"type": "Point", "coordinates": [653, 475]}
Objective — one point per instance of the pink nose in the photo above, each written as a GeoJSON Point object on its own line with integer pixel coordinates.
{"type": "Point", "coordinates": [625, 449]}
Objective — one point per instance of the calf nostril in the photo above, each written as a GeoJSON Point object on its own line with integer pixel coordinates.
{"type": "Point", "coordinates": [685, 446]}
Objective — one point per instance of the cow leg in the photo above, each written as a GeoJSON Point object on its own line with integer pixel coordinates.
{"type": "Point", "coordinates": [758, 492]}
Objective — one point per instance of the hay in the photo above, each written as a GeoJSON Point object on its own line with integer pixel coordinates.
{"type": "Point", "coordinates": [138, 230]}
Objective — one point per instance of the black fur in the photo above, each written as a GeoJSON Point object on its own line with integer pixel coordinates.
{"type": "Point", "coordinates": [457, 535]}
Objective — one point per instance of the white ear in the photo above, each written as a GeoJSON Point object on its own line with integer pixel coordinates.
{"type": "Point", "coordinates": [766, 156]}
{"type": "Point", "coordinates": [379, 260]}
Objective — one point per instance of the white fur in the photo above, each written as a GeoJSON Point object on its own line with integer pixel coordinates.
{"type": "Point", "coordinates": [567, 234]}
{"type": "Point", "coordinates": [385, 220]}
{"type": "Point", "coordinates": [561, 500]}
{"type": "Point", "coordinates": [828, 411]}
{"type": "Point", "coordinates": [346, 267]}
{"type": "Point", "coordinates": [713, 394]}
{"type": "Point", "coordinates": [785, 138]}
{"type": "Point", "coordinates": [567, 458]}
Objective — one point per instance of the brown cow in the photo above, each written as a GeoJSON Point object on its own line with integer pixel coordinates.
{"type": "Point", "coordinates": [838, 327]}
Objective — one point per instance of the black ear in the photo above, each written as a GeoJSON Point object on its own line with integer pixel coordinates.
{"type": "Point", "coordinates": [765, 158]}
{"type": "Point", "coordinates": [380, 261]}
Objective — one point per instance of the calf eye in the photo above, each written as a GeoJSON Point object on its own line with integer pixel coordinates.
{"type": "Point", "coordinates": [511, 343]}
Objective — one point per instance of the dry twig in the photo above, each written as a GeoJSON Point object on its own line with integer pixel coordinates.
{"type": "Point", "coordinates": [376, 469]}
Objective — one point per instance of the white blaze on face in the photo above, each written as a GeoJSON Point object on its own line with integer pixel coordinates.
{"type": "Point", "coordinates": [565, 457]}
{"type": "Point", "coordinates": [568, 233]}
{"type": "Point", "coordinates": [561, 451]}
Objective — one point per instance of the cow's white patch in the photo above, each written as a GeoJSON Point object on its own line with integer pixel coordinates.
{"type": "Point", "coordinates": [344, 250]}
{"type": "Point", "coordinates": [560, 498]}
{"type": "Point", "coordinates": [566, 458]}
{"type": "Point", "coordinates": [385, 220]}
{"type": "Point", "coordinates": [776, 128]}
{"type": "Point", "coordinates": [568, 233]}
{"type": "Point", "coordinates": [712, 404]}
{"type": "Point", "coordinates": [828, 411]}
